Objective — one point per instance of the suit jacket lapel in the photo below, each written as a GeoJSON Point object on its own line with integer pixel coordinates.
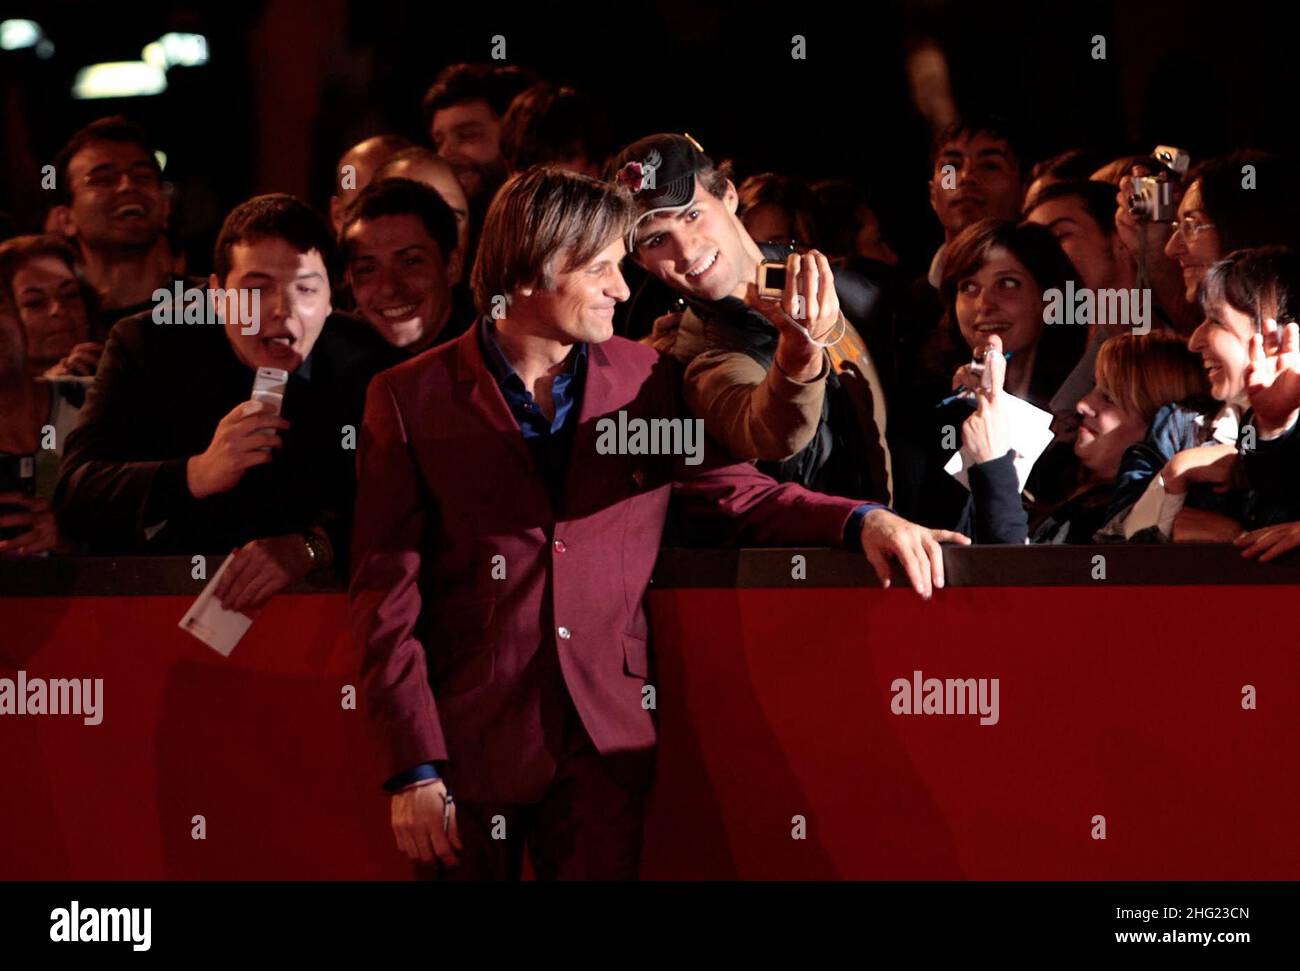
{"type": "Point", "coordinates": [479, 390]}
{"type": "Point", "coordinates": [599, 397]}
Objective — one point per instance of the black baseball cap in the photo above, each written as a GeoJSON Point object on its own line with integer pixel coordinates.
{"type": "Point", "coordinates": [659, 171]}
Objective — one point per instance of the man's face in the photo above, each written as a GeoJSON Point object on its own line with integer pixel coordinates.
{"type": "Point", "coordinates": [698, 251]}
{"type": "Point", "coordinates": [51, 306]}
{"type": "Point", "coordinates": [293, 302]}
{"type": "Point", "coordinates": [468, 135]}
{"type": "Point", "coordinates": [1097, 257]}
{"type": "Point", "coordinates": [579, 304]}
{"type": "Point", "coordinates": [983, 182]}
{"type": "Point", "coordinates": [117, 197]}
{"type": "Point", "coordinates": [1223, 341]}
{"type": "Point", "coordinates": [441, 179]}
{"type": "Point", "coordinates": [399, 279]}
{"type": "Point", "coordinates": [1195, 244]}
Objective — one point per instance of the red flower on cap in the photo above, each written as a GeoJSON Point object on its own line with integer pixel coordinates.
{"type": "Point", "coordinates": [635, 176]}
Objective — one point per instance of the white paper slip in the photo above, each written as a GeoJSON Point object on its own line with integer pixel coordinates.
{"type": "Point", "coordinates": [1030, 432]}
{"type": "Point", "coordinates": [212, 623]}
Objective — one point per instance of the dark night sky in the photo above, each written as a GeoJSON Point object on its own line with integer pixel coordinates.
{"type": "Point", "coordinates": [1188, 74]}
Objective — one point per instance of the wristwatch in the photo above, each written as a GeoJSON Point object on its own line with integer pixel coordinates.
{"type": "Point", "coordinates": [317, 549]}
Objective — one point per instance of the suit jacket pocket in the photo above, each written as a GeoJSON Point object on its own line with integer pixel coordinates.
{"type": "Point", "coordinates": [460, 647]}
{"type": "Point", "coordinates": [636, 656]}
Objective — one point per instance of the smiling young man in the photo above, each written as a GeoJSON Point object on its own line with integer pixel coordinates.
{"type": "Point", "coordinates": [402, 259]}
{"type": "Point", "coordinates": [501, 557]}
{"type": "Point", "coordinates": [110, 184]}
{"type": "Point", "coordinates": [170, 456]}
{"type": "Point", "coordinates": [787, 382]}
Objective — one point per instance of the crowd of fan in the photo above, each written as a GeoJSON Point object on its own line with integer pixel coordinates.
{"type": "Point", "coordinates": [125, 430]}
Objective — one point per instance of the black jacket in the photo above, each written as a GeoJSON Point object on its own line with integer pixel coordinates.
{"type": "Point", "coordinates": [157, 399]}
{"type": "Point", "coordinates": [996, 513]}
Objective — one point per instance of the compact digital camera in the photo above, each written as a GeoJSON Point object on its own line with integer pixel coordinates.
{"type": "Point", "coordinates": [1151, 197]}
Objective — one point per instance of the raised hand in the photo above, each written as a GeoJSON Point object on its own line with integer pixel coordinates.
{"type": "Point", "coordinates": [808, 311]}
{"type": "Point", "coordinates": [1273, 377]}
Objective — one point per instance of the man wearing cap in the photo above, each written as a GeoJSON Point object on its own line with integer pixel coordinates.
{"type": "Point", "coordinates": [787, 382]}
{"type": "Point", "coordinates": [502, 555]}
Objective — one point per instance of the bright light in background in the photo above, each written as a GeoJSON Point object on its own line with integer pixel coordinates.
{"type": "Point", "coordinates": [176, 50]}
{"type": "Point", "coordinates": [119, 79]}
{"type": "Point", "coordinates": [161, 156]}
{"type": "Point", "coordinates": [18, 34]}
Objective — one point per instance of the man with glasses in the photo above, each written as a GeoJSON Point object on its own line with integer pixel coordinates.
{"type": "Point", "coordinates": [109, 184]}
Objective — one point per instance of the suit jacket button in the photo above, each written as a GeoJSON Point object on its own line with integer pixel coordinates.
{"type": "Point", "coordinates": [559, 546]}
{"type": "Point", "coordinates": [564, 633]}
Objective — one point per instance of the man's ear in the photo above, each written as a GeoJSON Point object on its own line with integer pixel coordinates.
{"type": "Point", "coordinates": [336, 214]}
{"type": "Point", "coordinates": [59, 222]}
{"type": "Point", "coordinates": [934, 191]}
{"type": "Point", "coordinates": [455, 266]}
{"type": "Point", "coordinates": [731, 198]}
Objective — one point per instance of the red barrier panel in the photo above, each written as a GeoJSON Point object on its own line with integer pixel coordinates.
{"type": "Point", "coordinates": [1124, 703]}
{"type": "Point", "coordinates": [776, 719]}
{"type": "Point", "coordinates": [258, 744]}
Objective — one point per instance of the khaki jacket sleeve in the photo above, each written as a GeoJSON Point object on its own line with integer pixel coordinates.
{"type": "Point", "coordinates": [755, 414]}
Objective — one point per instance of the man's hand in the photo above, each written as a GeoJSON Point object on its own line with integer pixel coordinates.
{"type": "Point", "coordinates": [1273, 377]}
{"type": "Point", "coordinates": [42, 531]}
{"type": "Point", "coordinates": [1270, 542]}
{"type": "Point", "coordinates": [261, 569]}
{"type": "Point", "coordinates": [244, 438]}
{"type": "Point", "coordinates": [886, 536]}
{"type": "Point", "coordinates": [81, 361]}
{"type": "Point", "coordinates": [417, 824]}
{"type": "Point", "coordinates": [984, 435]}
{"type": "Point", "coordinates": [809, 310]}
{"type": "Point", "coordinates": [1215, 464]}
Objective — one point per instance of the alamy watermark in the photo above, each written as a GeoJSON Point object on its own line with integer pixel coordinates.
{"type": "Point", "coordinates": [1130, 308]}
{"type": "Point", "coordinates": [652, 436]}
{"type": "Point", "coordinates": [58, 696]}
{"type": "Point", "coordinates": [948, 696]}
{"type": "Point", "coordinates": [125, 924]}
{"type": "Point", "coordinates": [195, 306]}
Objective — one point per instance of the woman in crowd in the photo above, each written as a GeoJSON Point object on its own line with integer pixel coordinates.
{"type": "Point", "coordinates": [1135, 377]}
{"type": "Point", "coordinates": [27, 472]}
{"type": "Point", "coordinates": [996, 281]}
{"type": "Point", "coordinates": [1237, 201]}
{"type": "Point", "coordinates": [1185, 481]}
{"type": "Point", "coordinates": [39, 276]}
{"type": "Point", "coordinates": [779, 209]}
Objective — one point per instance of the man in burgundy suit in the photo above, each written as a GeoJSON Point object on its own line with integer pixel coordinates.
{"type": "Point", "coordinates": [502, 551]}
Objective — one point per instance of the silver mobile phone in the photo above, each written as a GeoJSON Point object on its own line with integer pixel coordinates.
{"type": "Point", "coordinates": [269, 386]}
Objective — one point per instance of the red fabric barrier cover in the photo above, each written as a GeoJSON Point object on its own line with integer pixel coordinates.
{"type": "Point", "coordinates": [773, 704]}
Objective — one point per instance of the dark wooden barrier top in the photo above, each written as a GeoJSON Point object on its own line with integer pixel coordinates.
{"type": "Point", "coordinates": [1210, 564]}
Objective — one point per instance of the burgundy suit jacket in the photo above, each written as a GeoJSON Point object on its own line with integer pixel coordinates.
{"type": "Point", "coordinates": [466, 581]}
